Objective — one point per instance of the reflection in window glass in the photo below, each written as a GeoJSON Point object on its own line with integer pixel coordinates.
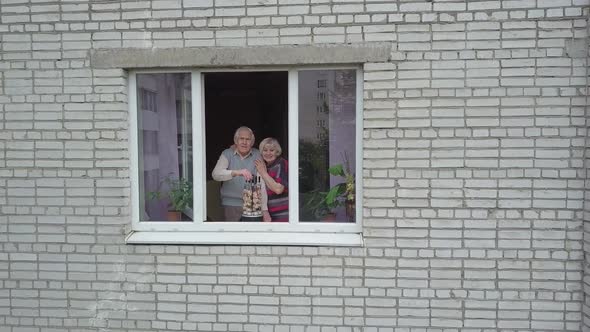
{"type": "Point", "coordinates": [165, 146]}
{"type": "Point", "coordinates": [327, 144]}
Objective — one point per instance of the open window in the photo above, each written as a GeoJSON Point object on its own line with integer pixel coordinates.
{"type": "Point", "coordinates": [182, 121]}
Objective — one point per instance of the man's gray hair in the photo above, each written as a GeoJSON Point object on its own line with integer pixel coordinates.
{"type": "Point", "coordinates": [237, 133]}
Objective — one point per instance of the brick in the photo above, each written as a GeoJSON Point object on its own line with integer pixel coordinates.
{"type": "Point", "coordinates": [473, 172]}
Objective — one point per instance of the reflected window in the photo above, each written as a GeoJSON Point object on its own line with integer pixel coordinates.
{"type": "Point", "coordinates": [327, 145]}
{"type": "Point", "coordinates": [165, 146]}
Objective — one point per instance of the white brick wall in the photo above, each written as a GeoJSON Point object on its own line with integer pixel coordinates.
{"type": "Point", "coordinates": [475, 175]}
{"type": "Point", "coordinates": [586, 236]}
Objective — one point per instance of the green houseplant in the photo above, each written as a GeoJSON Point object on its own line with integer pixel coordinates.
{"type": "Point", "coordinates": [342, 193]}
{"type": "Point", "coordinates": [180, 193]}
{"type": "Point", "coordinates": [322, 204]}
{"type": "Point", "coordinates": [315, 206]}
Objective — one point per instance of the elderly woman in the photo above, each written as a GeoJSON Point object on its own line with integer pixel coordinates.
{"type": "Point", "coordinates": [274, 171]}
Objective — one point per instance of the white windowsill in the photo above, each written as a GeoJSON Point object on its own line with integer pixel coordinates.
{"type": "Point", "coordinates": [247, 238]}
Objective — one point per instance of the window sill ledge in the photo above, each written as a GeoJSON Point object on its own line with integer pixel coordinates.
{"type": "Point", "coordinates": [247, 238]}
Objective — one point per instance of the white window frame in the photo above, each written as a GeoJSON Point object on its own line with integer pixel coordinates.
{"type": "Point", "coordinates": [200, 231]}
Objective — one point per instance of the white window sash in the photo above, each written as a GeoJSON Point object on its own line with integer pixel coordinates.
{"type": "Point", "coordinates": [133, 149]}
{"type": "Point", "coordinates": [198, 225]}
{"type": "Point", "coordinates": [198, 109]}
{"type": "Point", "coordinates": [321, 226]}
{"type": "Point", "coordinates": [358, 185]}
{"type": "Point", "coordinates": [293, 143]}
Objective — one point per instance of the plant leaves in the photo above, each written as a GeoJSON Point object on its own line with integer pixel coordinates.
{"type": "Point", "coordinates": [334, 193]}
{"type": "Point", "coordinates": [179, 191]}
{"type": "Point", "coordinates": [336, 170]}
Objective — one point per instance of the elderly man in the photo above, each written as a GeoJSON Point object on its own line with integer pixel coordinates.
{"type": "Point", "coordinates": [234, 167]}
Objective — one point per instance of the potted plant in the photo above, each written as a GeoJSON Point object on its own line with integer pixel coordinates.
{"type": "Point", "coordinates": [179, 192]}
{"type": "Point", "coordinates": [342, 193]}
{"type": "Point", "coordinates": [321, 205]}
{"type": "Point", "coordinates": [315, 206]}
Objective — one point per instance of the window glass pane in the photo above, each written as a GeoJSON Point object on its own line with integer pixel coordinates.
{"type": "Point", "coordinates": [327, 145]}
{"type": "Point", "coordinates": [165, 147]}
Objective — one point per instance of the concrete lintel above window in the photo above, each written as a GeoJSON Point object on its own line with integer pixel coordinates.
{"type": "Point", "coordinates": [241, 56]}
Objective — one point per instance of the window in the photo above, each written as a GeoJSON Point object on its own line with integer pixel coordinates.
{"type": "Point", "coordinates": [182, 121]}
{"type": "Point", "coordinates": [147, 99]}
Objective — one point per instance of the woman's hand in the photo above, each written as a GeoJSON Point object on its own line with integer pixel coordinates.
{"type": "Point", "coordinates": [260, 166]}
{"type": "Point", "coordinates": [266, 216]}
{"type": "Point", "coordinates": [271, 184]}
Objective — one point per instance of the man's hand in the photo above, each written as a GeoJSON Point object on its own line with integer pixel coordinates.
{"type": "Point", "coordinates": [245, 173]}
{"type": "Point", "coordinates": [266, 216]}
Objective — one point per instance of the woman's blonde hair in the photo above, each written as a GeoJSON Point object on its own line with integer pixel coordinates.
{"type": "Point", "coordinates": [273, 142]}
